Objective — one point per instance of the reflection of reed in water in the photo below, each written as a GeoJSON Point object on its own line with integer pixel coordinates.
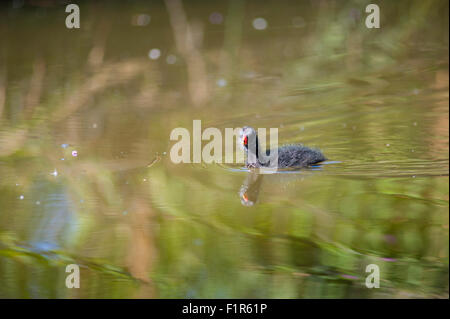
{"type": "Point", "coordinates": [188, 39]}
{"type": "Point", "coordinates": [250, 189]}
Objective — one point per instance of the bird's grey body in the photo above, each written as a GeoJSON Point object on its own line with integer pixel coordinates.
{"type": "Point", "coordinates": [297, 155]}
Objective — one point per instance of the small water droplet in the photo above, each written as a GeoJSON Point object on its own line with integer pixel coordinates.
{"type": "Point", "coordinates": [171, 59]}
{"type": "Point", "coordinates": [154, 54]}
{"type": "Point", "coordinates": [141, 20]}
{"type": "Point", "coordinates": [21, 197]}
{"type": "Point", "coordinates": [74, 153]}
{"type": "Point", "coordinates": [221, 82]}
{"type": "Point", "coordinates": [216, 18]}
{"type": "Point", "coordinates": [259, 23]}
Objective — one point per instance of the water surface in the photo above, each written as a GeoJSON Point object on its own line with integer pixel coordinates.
{"type": "Point", "coordinates": [375, 102]}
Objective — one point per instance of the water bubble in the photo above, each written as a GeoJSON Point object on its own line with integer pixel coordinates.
{"type": "Point", "coordinates": [140, 20]}
{"type": "Point", "coordinates": [355, 14]}
{"type": "Point", "coordinates": [390, 238]}
{"type": "Point", "coordinates": [154, 54]}
{"type": "Point", "coordinates": [64, 145]}
{"type": "Point", "coordinates": [21, 197]}
{"type": "Point", "coordinates": [221, 82]}
{"type": "Point", "coordinates": [215, 18]}
{"type": "Point", "coordinates": [259, 23]}
{"type": "Point", "coordinates": [54, 173]}
{"type": "Point", "coordinates": [171, 59]}
{"type": "Point", "coordinates": [74, 153]}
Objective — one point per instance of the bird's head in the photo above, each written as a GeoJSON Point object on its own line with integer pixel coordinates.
{"type": "Point", "coordinates": [248, 137]}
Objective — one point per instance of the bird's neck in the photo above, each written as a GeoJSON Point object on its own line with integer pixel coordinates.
{"type": "Point", "coordinates": [253, 154]}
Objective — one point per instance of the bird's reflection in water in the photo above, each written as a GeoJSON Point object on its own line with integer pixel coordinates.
{"type": "Point", "coordinates": [250, 189]}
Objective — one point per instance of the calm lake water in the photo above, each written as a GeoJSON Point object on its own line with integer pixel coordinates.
{"type": "Point", "coordinates": [86, 177]}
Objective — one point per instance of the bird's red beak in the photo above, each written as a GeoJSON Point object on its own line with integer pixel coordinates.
{"type": "Point", "coordinates": [245, 140]}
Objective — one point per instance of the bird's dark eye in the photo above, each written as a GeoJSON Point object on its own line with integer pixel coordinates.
{"type": "Point", "coordinates": [245, 141]}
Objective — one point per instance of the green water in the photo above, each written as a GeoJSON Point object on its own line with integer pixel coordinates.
{"type": "Point", "coordinates": [375, 101]}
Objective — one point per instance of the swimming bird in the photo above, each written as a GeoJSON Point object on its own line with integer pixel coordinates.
{"type": "Point", "coordinates": [293, 155]}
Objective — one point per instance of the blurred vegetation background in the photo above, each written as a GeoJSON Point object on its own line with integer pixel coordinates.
{"type": "Point", "coordinates": [374, 100]}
